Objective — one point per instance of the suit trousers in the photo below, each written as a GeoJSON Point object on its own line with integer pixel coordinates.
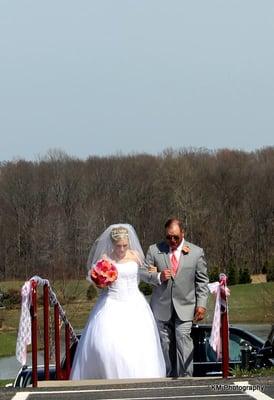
{"type": "Point", "coordinates": [177, 345]}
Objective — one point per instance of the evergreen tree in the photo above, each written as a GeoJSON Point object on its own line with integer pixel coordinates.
{"type": "Point", "coordinates": [241, 278]}
{"type": "Point", "coordinates": [270, 273]}
{"type": "Point", "coordinates": [232, 276]}
{"type": "Point", "coordinates": [213, 274]}
{"type": "Point", "coordinates": [244, 276]}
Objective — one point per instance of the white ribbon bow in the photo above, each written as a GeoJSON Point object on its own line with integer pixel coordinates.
{"type": "Point", "coordinates": [24, 332]}
{"type": "Point", "coordinates": [215, 339]}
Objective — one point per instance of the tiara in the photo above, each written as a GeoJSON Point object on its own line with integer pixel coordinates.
{"type": "Point", "coordinates": [118, 233]}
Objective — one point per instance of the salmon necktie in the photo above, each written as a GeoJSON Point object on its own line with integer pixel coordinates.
{"type": "Point", "coordinates": [174, 262]}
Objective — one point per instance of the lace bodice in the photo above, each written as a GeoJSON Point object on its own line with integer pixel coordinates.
{"type": "Point", "coordinates": [126, 285]}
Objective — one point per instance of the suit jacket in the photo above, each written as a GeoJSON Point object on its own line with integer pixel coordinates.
{"type": "Point", "coordinates": [187, 290]}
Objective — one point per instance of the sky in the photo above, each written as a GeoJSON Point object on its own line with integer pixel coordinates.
{"type": "Point", "coordinates": [132, 76]}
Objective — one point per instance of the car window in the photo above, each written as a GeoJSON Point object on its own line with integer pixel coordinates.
{"type": "Point", "coordinates": [234, 348]}
{"type": "Point", "coordinates": [196, 342]}
{"type": "Point", "coordinates": [210, 354]}
{"type": "Point", "coordinates": [29, 380]}
{"type": "Point", "coordinates": [24, 380]}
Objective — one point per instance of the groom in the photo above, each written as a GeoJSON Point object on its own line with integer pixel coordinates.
{"type": "Point", "coordinates": [179, 297]}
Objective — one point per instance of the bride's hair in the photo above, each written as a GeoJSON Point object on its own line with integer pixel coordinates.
{"type": "Point", "coordinates": [103, 245]}
{"type": "Point", "coordinates": [118, 233]}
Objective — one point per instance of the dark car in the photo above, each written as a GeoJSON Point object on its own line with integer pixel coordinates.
{"type": "Point", "coordinates": [245, 350]}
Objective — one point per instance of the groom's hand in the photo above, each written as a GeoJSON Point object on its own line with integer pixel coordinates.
{"type": "Point", "coordinates": [199, 313]}
{"type": "Point", "coordinates": [165, 275]}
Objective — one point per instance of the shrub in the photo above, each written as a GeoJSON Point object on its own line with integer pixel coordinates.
{"type": "Point", "coordinates": [270, 274]}
{"type": "Point", "coordinates": [244, 276]}
{"type": "Point", "coordinates": [92, 292]}
{"type": "Point", "coordinates": [145, 288]}
{"type": "Point", "coordinates": [264, 269]}
{"type": "Point", "coordinates": [213, 274]}
{"type": "Point", "coordinates": [11, 298]}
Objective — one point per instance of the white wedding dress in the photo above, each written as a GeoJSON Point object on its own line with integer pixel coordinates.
{"type": "Point", "coordinates": [120, 339]}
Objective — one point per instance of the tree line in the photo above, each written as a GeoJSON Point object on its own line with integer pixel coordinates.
{"type": "Point", "coordinates": [52, 209]}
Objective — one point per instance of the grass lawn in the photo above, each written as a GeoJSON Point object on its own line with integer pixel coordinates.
{"type": "Point", "coordinates": [7, 343]}
{"type": "Point", "coordinates": [249, 303]}
{"type": "Point", "coordinates": [3, 382]}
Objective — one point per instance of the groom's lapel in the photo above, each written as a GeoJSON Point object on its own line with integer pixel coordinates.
{"type": "Point", "coordinates": [182, 259]}
{"type": "Point", "coordinates": [167, 259]}
{"type": "Point", "coordinates": [164, 249]}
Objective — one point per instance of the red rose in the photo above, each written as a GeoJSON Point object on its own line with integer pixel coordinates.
{"type": "Point", "coordinates": [104, 273]}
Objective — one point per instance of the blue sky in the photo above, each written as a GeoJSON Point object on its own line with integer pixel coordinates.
{"type": "Point", "coordinates": [101, 77]}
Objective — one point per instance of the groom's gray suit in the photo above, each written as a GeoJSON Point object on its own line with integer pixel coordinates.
{"type": "Point", "coordinates": [175, 300]}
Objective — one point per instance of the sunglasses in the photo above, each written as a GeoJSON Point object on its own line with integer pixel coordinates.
{"type": "Point", "coordinates": [170, 237]}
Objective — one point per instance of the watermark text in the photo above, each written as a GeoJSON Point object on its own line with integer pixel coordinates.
{"type": "Point", "coordinates": [237, 387]}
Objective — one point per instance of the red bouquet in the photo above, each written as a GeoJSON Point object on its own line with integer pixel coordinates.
{"type": "Point", "coordinates": [104, 273]}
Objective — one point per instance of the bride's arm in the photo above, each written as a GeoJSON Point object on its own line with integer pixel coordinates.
{"type": "Point", "coordinates": [148, 272]}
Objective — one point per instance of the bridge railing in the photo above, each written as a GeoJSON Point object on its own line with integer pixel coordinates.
{"type": "Point", "coordinates": [49, 299]}
{"type": "Point", "coordinates": [219, 338]}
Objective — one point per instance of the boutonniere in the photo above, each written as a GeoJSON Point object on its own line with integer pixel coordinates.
{"type": "Point", "coordinates": [185, 249]}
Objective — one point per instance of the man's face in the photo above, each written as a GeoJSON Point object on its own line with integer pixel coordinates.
{"type": "Point", "coordinates": [174, 236]}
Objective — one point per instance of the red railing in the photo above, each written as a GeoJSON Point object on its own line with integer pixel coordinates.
{"type": "Point", "coordinates": [34, 331]}
{"type": "Point", "coordinates": [224, 326]}
{"type": "Point", "coordinates": [46, 330]}
{"type": "Point", "coordinates": [49, 299]}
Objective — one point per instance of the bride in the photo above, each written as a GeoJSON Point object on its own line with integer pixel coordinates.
{"type": "Point", "coordinates": [120, 339]}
